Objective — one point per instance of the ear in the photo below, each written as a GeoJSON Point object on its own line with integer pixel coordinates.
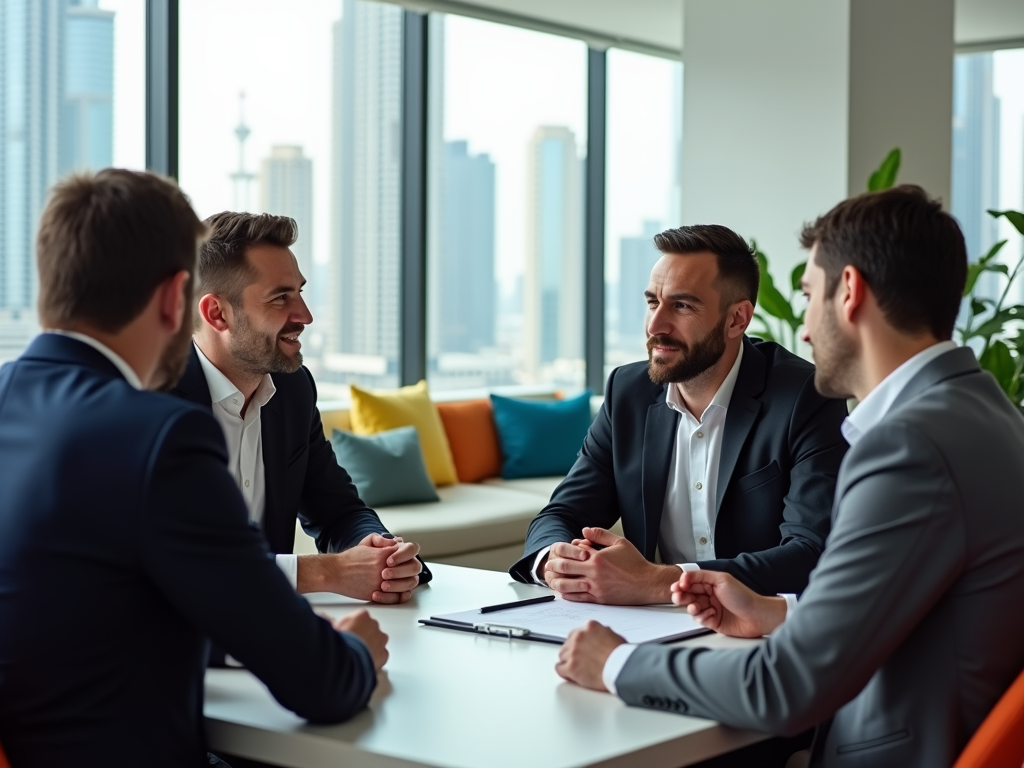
{"type": "Point", "coordinates": [215, 311]}
{"type": "Point", "coordinates": [851, 293]}
{"type": "Point", "coordinates": [740, 315]}
{"type": "Point", "coordinates": [173, 300]}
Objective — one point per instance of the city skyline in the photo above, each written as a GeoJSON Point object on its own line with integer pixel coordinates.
{"type": "Point", "coordinates": [286, 189]}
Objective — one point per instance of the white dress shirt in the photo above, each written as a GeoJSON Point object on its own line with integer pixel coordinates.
{"type": "Point", "coordinates": [125, 370]}
{"type": "Point", "coordinates": [244, 438]}
{"type": "Point", "coordinates": [868, 414]}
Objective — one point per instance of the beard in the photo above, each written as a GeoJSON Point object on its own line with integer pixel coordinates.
{"type": "Point", "coordinates": [695, 361]}
{"type": "Point", "coordinates": [174, 360]}
{"type": "Point", "coordinates": [258, 353]}
{"type": "Point", "coordinates": [833, 356]}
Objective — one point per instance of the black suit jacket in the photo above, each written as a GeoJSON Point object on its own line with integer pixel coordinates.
{"type": "Point", "coordinates": [781, 452]}
{"type": "Point", "coordinates": [123, 544]}
{"type": "Point", "coordinates": [302, 474]}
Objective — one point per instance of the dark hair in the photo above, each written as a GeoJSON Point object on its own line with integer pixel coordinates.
{"type": "Point", "coordinates": [223, 268]}
{"type": "Point", "coordinates": [909, 251]}
{"type": "Point", "coordinates": [738, 273]}
{"type": "Point", "coordinates": [106, 241]}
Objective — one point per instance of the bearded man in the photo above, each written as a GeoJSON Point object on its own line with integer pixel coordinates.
{"type": "Point", "coordinates": [716, 454]}
{"type": "Point", "coordinates": [246, 364]}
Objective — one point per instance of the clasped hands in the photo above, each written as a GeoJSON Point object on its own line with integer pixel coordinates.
{"type": "Point", "coordinates": [377, 569]}
{"type": "Point", "coordinates": [716, 600]}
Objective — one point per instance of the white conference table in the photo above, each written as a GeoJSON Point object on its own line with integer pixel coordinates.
{"type": "Point", "coordinates": [452, 699]}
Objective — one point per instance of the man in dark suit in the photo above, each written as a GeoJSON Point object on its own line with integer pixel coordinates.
{"type": "Point", "coordinates": [246, 366]}
{"type": "Point", "coordinates": [716, 454]}
{"type": "Point", "coordinates": [123, 540]}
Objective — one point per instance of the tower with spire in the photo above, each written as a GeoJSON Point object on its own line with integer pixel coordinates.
{"type": "Point", "coordinates": [242, 178]}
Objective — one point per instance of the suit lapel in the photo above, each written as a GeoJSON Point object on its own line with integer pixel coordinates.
{"type": "Point", "coordinates": [739, 418]}
{"type": "Point", "coordinates": [193, 385]}
{"type": "Point", "coordinates": [659, 440]}
{"type": "Point", "coordinates": [272, 436]}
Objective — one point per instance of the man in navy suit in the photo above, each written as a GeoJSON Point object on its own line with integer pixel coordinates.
{"type": "Point", "coordinates": [246, 366]}
{"type": "Point", "coordinates": [124, 542]}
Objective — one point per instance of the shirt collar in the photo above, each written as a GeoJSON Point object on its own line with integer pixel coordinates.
{"type": "Point", "coordinates": [222, 389]}
{"type": "Point", "coordinates": [674, 400]}
{"type": "Point", "coordinates": [123, 368]}
{"type": "Point", "coordinates": [870, 412]}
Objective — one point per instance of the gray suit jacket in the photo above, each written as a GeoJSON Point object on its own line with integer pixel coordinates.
{"type": "Point", "coordinates": [911, 626]}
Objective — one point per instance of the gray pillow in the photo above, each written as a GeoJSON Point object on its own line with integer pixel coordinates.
{"type": "Point", "coordinates": [387, 468]}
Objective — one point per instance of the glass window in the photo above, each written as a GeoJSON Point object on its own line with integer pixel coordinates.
{"type": "Point", "coordinates": [988, 153]}
{"type": "Point", "coordinates": [507, 147]}
{"type": "Point", "coordinates": [299, 114]}
{"type": "Point", "coordinates": [645, 114]}
{"type": "Point", "coordinates": [72, 97]}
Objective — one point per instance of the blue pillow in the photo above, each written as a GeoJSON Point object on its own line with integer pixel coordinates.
{"type": "Point", "coordinates": [540, 438]}
{"type": "Point", "coordinates": [387, 468]}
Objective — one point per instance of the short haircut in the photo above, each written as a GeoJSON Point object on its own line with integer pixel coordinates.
{"type": "Point", "coordinates": [223, 268]}
{"type": "Point", "coordinates": [909, 251]}
{"type": "Point", "coordinates": [738, 273]}
{"type": "Point", "coordinates": [106, 241]}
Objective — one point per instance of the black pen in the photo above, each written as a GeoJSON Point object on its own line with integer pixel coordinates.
{"type": "Point", "coordinates": [516, 604]}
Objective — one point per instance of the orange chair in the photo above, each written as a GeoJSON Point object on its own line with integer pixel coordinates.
{"type": "Point", "coordinates": [3, 758]}
{"type": "Point", "coordinates": [999, 742]}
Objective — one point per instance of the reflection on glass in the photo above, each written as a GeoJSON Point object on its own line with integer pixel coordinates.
{"type": "Point", "coordinates": [61, 108]}
{"type": "Point", "coordinates": [507, 145]}
{"type": "Point", "coordinates": [642, 189]}
{"type": "Point", "coordinates": [312, 132]}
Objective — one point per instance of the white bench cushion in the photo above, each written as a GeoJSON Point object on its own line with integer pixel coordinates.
{"type": "Point", "coordinates": [541, 486]}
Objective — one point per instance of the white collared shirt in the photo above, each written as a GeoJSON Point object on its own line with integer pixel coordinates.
{"type": "Point", "coordinates": [244, 438]}
{"type": "Point", "coordinates": [123, 368]}
{"type": "Point", "coordinates": [867, 415]}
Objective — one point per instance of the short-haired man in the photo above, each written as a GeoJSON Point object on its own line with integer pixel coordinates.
{"type": "Point", "coordinates": [246, 364]}
{"type": "Point", "coordinates": [715, 454]}
{"type": "Point", "coordinates": [911, 628]}
{"type": "Point", "coordinates": [124, 542]}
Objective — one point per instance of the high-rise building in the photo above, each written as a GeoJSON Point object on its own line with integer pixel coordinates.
{"type": "Point", "coordinates": [286, 189]}
{"type": "Point", "coordinates": [553, 281]}
{"type": "Point", "coordinates": [637, 256]}
{"type": "Point", "coordinates": [975, 151]}
{"type": "Point", "coordinates": [465, 258]}
{"type": "Point", "coordinates": [87, 106]}
{"type": "Point", "coordinates": [366, 189]}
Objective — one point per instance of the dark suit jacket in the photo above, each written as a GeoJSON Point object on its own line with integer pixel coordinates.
{"type": "Point", "coordinates": [123, 544]}
{"type": "Point", "coordinates": [781, 453]}
{"type": "Point", "coordinates": [302, 474]}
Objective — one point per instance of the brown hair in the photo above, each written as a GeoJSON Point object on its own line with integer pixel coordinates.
{"type": "Point", "coordinates": [738, 273]}
{"type": "Point", "coordinates": [909, 251]}
{"type": "Point", "coordinates": [106, 241]}
{"type": "Point", "coordinates": [223, 268]}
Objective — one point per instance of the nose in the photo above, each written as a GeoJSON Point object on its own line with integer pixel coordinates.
{"type": "Point", "coordinates": [302, 313]}
{"type": "Point", "coordinates": [657, 321]}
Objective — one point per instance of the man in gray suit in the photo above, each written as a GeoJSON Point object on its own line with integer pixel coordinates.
{"type": "Point", "coordinates": [911, 627]}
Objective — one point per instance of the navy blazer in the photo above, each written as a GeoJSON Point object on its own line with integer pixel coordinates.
{"type": "Point", "coordinates": [781, 452]}
{"type": "Point", "coordinates": [123, 544]}
{"type": "Point", "coordinates": [302, 474]}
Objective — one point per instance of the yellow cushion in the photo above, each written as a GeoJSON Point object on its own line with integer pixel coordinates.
{"type": "Point", "coordinates": [333, 420]}
{"type": "Point", "coordinates": [374, 412]}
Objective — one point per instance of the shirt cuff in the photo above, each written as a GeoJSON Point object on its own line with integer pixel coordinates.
{"type": "Point", "coordinates": [790, 603]}
{"type": "Point", "coordinates": [614, 666]}
{"type": "Point", "coordinates": [289, 565]}
{"type": "Point", "coordinates": [688, 566]}
{"type": "Point", "coordinates": [537, 578]}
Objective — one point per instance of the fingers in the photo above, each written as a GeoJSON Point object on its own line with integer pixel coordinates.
{"type": "Point", "coordinates": [579, 597]}
{"type": "Point", "coordinates": [566, 585]}
{"type": "Point", "coordinates": [568, 567]}
{"type": "Point", "coordinates": [391, 598]}
{"type": "Point", "coordinates": [404, 571]}
{"type": "Point", "coordinates": [601, 536]}
{"type": "Point", "coordinates": [405, 553]}
{"type": "Point", "coordinates": [400, 585]}
{"type": "Point", "coordinates": [567, 551]}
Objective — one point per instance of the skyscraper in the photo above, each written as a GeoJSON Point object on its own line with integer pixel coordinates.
{"type": "Point", "coordinates": [286, 189]}
{"type": "Point", "coordinates": [636, 257]}
{"type": "Point", "coordinates": [366, 183]}
{"type": "Point", "coordinates": [553, 282]}
{"type": "Point", "coordinates": [87, 107]}
{"type": "Point", "coordinates": [975, 151]}
{"type": "Point", "coordinates": [465, 258]}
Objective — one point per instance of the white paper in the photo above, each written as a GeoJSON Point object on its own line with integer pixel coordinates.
{"type": "Point", "coordinates": [638, 624]}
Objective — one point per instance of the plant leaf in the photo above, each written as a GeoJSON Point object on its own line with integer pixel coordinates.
{"type": "Point", "coordinates": [974, 270]}
{"type": "Point", "coordinates": [980, 306]}
{"type": "Point", "coordinates": [1014, 217]}
{"type": "Point", "coordinates": [797, 275]}
{"type": "Point", "coordinates": [765, 332]}
{"type": "Point", "coordinates": [769, 298]}
{"type": "Point", "coordinates": [992, 252]}
{"type": "Point", "coordinates": [998, 360]}
{"type": "Point", "coordinates": [885, 176]}
{"type": "Point", "coordinates": [995, 323]}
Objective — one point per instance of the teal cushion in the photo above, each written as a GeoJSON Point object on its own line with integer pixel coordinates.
{"type": "Point", "coordinates": [540, 438]}
{"type": "Point", "coordinates": [387, 468]}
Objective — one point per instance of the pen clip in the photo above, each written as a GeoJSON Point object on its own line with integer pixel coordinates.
{"type": "Point", "coordinates": [501, 630]}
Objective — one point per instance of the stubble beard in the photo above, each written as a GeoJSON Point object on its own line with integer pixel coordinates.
{"type": "Point", "coordinates": [834, 356]}
{"type": "Point", "coordinates": [257, 353]}
{"type": "Point", "coordinates": [696, 361]}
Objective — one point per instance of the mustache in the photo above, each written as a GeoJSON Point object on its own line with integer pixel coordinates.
{"type": "Point", "coordinates": [292, 328]}
{"type": "Point", "coordinates": [664, 341]}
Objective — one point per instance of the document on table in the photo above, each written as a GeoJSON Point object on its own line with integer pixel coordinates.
{"type": "Point", "coordinates": [638, 624]}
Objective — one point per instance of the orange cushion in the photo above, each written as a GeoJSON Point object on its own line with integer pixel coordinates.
{"type": "Point", "coordinates": [999, 742]}
{"type": "Point", "coordinates": [473, 437]}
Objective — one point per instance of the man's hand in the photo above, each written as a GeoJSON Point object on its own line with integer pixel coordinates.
{"type": "Point", "coordinates": [615, 575]}
{"type": "Point", "coordinates": [369, 571]}
{"type": "Point", "coordinates": [401, 575]}
{"type": "Point", "coordinates": [366, 628]}
{"type": "Point", "coordinates": [582, 658]}
{"type": "Point", "coordinates": [719, 602]}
